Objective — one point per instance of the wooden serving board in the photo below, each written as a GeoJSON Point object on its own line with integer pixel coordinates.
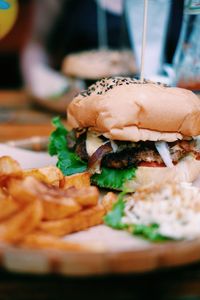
{"type": "Point", "coordinates": [118, 253]}
{"type": "Point", "coordinates": [115, 251]}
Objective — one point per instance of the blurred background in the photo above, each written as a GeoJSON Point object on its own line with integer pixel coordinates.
{"type": "Point", "coordinates": [56, 48]}
{"type": "Point", "coordinates": [12, 44]}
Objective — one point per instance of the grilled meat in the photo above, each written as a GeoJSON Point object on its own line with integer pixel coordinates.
{"type": "Point", "coordinates": [130, 154]}
{"type": "Point", "coordinates": [145, 151]}
{"type": "Point", "coordinates": [80, 147]}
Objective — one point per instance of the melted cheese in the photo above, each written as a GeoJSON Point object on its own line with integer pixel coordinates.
{"type": "Point", "coordinates": [93, 142]}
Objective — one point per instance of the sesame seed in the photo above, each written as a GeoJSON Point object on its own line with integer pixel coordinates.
{"type": "Point", "coordinates": [104, 85]}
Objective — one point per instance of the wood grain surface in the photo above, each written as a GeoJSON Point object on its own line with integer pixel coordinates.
{"type": "Point", "coordinates": [135, 259]}
{"type": "Point", "coordinates": [20, 118]}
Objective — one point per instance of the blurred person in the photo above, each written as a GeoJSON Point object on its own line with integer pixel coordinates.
{"type": "Point", "coordinates": [67, 26]}
{"type": "Point", "coordinates": [59, 28]}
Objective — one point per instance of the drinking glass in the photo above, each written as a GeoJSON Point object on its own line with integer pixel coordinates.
{"type": "Point", "coordinates": [187, 58]}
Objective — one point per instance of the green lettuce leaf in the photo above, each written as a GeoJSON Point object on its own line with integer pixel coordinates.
{"type": "Point", "coordinates": [113, 218]}
{"type": "Point", "coordinates": [113, 178]}
{"type": "Point", "coordinates": [57, 139]}
{"type": "Point", "coordinates": [150, 232]}
{"type": "Point", "coordinates": [68, 162]}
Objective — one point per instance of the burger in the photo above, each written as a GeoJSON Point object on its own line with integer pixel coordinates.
{"type": "Point", "coordinates": [93, 65]}
{"type": "Point", "coordinates": [126, 133]}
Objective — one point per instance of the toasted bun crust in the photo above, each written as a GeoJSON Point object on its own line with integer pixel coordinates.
{"type": "Point", "coordinates": [187, 170]}
{"type": "Point", "coordinates": [98, 64]}
{"type": "Point", "coordinates": [126, 109]}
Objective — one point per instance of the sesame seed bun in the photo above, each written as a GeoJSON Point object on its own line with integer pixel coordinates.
{"type": "Point", "coordinates": [126, 109]}
{"type": "Point", "coordinates": [97, 64]}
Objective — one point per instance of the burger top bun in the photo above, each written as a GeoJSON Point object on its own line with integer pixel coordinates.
{"type": "Point", "coordinates": [128, 109]}
{"type": "Point", "coordinates": [96, 64]}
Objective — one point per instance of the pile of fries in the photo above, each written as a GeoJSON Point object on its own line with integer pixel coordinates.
{"type": "Point", "coordinates": [40, 206]}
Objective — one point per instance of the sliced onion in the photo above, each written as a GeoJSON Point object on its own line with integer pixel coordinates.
{"type": "Point", "coordinates": [163, 150]}
{"type": "Point", "coordinates": [94, 162]}
{"type": "Point", "coordinates": [93, 142]}
{"type": "Point", "coordinates": [114, 146]}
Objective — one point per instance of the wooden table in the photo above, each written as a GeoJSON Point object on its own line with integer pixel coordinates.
{"type": "Point", "coordinates": [19, 118]}
{"type": "Point", "coordinates": [176, 284]}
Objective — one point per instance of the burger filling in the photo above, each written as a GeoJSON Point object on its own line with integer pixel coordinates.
{"type": "Point", "coordinates": [98, 151]}
{"type": "Point", "coordinates": [112, 163]}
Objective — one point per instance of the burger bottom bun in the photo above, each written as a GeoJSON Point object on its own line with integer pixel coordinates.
{"type": "Point", "coordinates": [187, 170]}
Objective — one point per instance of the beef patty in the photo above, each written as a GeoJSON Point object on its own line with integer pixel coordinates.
{"type": "Point", "coordinates": [128, 155]}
